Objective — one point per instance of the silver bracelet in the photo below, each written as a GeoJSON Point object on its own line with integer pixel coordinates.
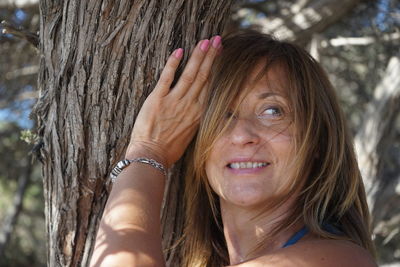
{"type": "Point", "coordinates": [125, 163]}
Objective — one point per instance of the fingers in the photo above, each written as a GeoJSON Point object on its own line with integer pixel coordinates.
{"type": "Point", "coordinates": [201, 98]}
{"type": "Point", "coordinates": [168, 73]}
{"type": "Point", "coordinates": [195, 73]}
{"type": "Point", "coordinates": [190, 72]}
{"type": "Point", "coordinates": [205, 68]}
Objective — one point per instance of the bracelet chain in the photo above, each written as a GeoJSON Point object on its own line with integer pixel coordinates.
{"type": "Point", "coordinates": [125, 163]}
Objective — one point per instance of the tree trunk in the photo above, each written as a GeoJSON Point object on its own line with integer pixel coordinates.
{"type": "Point", "coordinates": [99, 60]}
{"type": "Point", "coordinates": [375, 137]}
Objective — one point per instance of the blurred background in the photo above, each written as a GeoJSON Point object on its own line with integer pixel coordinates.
{"type": "Point", "coordinates": [357, 42]}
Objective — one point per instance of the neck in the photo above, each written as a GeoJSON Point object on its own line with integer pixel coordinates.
{"type": "Point", "coordinates": [244, 230]}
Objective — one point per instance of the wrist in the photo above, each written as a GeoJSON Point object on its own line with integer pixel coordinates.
{"type": "Point", "coordinates": [145, 149]}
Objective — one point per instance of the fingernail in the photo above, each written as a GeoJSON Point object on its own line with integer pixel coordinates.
{"type": "Point", "coordinates": [178, 53]}
{"type": "Point", "coordinates": [204, 45]}
{"type": "Point", "coordinates": [216, 41]}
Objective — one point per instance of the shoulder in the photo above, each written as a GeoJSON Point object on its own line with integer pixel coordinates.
{"type": "Point", "coordinates": [313, 253]}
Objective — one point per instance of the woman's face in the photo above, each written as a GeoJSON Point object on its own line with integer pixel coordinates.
{"type": "Point", "coordinates": [248, 162]}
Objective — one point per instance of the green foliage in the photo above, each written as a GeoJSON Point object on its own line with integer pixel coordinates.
{"type": "Point", "coordinates": [27, 243]}
{"type": "Point", "coordinates": [29, 137]}
{"type": "Point", "coordinates": [18, 75]}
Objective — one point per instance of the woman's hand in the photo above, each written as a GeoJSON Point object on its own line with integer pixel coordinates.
{"type": "Point", "coordinates": [169, 117]}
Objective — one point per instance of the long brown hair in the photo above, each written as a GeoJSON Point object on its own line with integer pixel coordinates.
{"type": "Point", "coordinates": [333, 191]}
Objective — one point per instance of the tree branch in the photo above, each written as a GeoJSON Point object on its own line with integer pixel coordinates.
{"type": "Point", "coordinates": [21, 33]}
{"type": "Point", "coordinates": [24, 71]}
{"type": "Point", "coordinates": [343, 41]}
{"type": "Point", "coordinates": [313, 17]}
{"type": "Point", "coordinates": [18, 3]}
{"type": "Point", "coordinates": [392, 264]}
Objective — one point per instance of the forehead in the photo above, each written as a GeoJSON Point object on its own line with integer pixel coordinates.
{"type": "Point", "coordinates": [267, 79]}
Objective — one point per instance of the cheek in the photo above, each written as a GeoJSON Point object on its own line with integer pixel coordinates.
{"type": "Point", "coordinates": [215, 171]}
{"type": "Point", "coordinates": [283, 148]}
{"type": "Point", "coordinates": [212, 174]}
{"type": "Point", "coordinates": [281, 143]}
{"type": "Point", "coordinates": [278, 135]}
{"type": "Point", "coordinates": [214, 159]}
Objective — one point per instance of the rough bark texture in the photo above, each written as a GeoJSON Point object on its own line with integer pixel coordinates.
{"type": "Point", "coordinates": [375, 137]}
{"type": "Point", "coordinates": [99, 61]}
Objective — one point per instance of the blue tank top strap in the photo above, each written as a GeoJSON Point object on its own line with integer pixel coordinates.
{"type": "Point", "coordinates": [296, 237]}
{"type": "Point", "coordinates": [332, 229]}
{"type": "Point", "coordinates": [303, 231]}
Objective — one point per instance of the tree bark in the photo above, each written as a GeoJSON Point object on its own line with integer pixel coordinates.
{"type": "Point", "coordinates": [375, 137]}
{"type": "Point", "coordinates": [99, 60]}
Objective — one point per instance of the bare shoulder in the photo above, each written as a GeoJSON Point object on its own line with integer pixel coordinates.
{"type": "Point", "coordinates": [313, 253]}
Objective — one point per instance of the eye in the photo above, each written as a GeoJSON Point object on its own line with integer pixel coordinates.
{"type": "Point", "coordinates": [272, 111]}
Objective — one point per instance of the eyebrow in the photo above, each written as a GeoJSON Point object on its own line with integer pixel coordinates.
{"type": "Point", "coordinates": [267, 94]}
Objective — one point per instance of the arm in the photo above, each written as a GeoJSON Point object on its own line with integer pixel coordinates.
{"type": "Point", "coordinates": [129, 233]}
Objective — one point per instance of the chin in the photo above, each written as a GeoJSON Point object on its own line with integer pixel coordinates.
{"type": "Point", "coordinates": [245, 196]}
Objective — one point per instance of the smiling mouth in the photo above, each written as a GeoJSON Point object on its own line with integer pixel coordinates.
{"type": "Point", "coordinates": [247, 165]}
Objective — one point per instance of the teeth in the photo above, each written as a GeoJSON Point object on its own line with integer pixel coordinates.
{"type": "Point", "coordinates": [247, 165]}
{"type": "Point", "coordinates": [235, 165]}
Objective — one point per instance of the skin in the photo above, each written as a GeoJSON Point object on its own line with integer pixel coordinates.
{"type": "Point", "coordinates": [260, 131]}
{"type": "Point", "coordinates": [314, 252]}
{"type": "Point", "coordinates": [129, 233]}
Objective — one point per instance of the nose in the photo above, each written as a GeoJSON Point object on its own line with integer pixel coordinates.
{"type": "Point", "coordinates": [244, 132]}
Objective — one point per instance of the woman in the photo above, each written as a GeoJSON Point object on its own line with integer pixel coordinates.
{"type": "Point", "coordinates": [273, 179]}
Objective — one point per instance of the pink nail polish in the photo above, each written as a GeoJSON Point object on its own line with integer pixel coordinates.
{"type": "Point", "coordinates": [216, 41]}
{"type": "Point", "coordinates": [204, 45]}
{"type": "Point", "coordinates": [178, 53]}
